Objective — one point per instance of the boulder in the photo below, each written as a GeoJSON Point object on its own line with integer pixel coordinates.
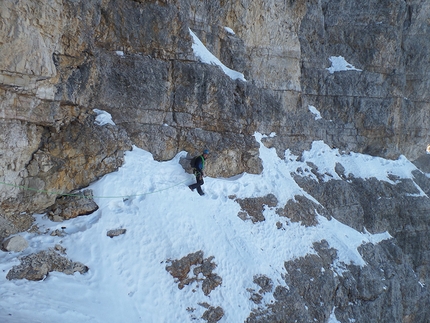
{"type": "Point", "coordinates": [15, 244]}
{"type": "Point", "coordinates": [70, 206]}
{"type": "Point", "coordinates": [116, 232]}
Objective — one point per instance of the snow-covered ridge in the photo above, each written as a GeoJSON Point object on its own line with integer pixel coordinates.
{"type": "Point", "coordinates": [128, 281]}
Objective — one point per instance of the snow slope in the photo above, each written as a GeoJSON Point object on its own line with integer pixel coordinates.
{"type": "Point", "coordinates": [127, 280]}
{"type": "Point", "coordinates": [205, 56]}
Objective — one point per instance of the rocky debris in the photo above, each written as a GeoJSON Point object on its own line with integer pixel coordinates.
{"type": "Point", "coordinates": [15, 244]}
{"type": "Point", "coordinates": [338, 198]}
{"type": "Point", "coordinates": [73, 205]}
{"type": "Point", "coordinates": [213, 314]}
{"type": "Point", "coordinates": [253, 207]}
{"type": "Point", "coordinates": [13, 223]}
{"type": "Point", "coordinates": [265, 283]}
{"type": "Point", "coordinates": [38, 265]}
{"type": "Point", "coordinates": [255, 297]}
{"type": "Point", "coordinates": [60, 249]}
{"type": "Point", "coordinates": [279, 225]}
{"type": "Point", "coordinates": [180, 270]}
{"type": "Point", "coordinates": [57, 233]}
{"type": "Point", "coordinates": [266, 286]}
{"type": "Point", "coordinates": [34, 229]}
{"type": "Point", "coordinates": [309, 277]}
{"type": "Point", "coordinates": [302, 210]}
{"type": "Point", "coordinates": [210, 282]}
{"type": "Point", "coordinates": [116, 232]}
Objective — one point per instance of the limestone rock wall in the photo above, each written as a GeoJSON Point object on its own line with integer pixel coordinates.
{"type": "Point", "coordinates": [60, 62]}
{"type": "Point", "coordinates": [384, 109]}
{"type": "Point", "coordinates": [61, 59]}
{"type": "Point", "coordinates": [49, 140]}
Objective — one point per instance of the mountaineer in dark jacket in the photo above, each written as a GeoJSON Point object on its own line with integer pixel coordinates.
{"type": "Point", "coordinates": [198, 167]}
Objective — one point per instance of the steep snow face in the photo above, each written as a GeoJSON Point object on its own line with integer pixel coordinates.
{"type": "Point", "coordinates": [339, 64]}
{"type": "Point", "coordinates": [103, 117]}
{"type": "Point", "coordinates": [205, 56]}
{"type": "Point", "coordinates": [128, 281]}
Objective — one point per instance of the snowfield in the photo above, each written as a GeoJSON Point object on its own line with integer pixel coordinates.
{"type": "Point", "coordinates": [128, 281]}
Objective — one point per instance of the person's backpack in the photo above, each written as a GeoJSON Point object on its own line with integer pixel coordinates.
{"type": "Point", "coordinates": [193, 162]}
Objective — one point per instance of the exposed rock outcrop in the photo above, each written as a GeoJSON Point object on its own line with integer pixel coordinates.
{"type": "Point", "coordinates": [61, 162]}
{"type": "Point", "coordinates": [181, 268]}
{"type": "Point", "coordinates": [134, 59]}
{"type": "Point", "coordinates": [37, 266]}
{"type": "Point", "coordinates": [58, 67]}
{"type": "Point", "coordinates": [395, 275]}
{"type": "Point", "coordinates": [73, 205]}
{"type": "Point", "coordinates": [253, 207]}
{"type": "Point", "coordinates": [314, 289]}
{"type": "Point", "coordinates": [213, 314]}
{"type": "Point", "coordinates": [303, 210]}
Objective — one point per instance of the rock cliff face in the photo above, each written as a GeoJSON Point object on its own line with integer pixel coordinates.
{"type": "Point", "coordinates": [134, 59]}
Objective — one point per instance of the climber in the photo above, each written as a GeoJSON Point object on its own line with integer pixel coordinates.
{"type": "Point", "coordinates": [198, 164]}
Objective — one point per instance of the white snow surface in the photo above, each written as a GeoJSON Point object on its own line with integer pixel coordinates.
{"type": "Point", "coordinates": [339, 64]}
{"type": "Point", "coordinates": [314, 111]}
{"type": "Point", "coordinates": [332, 318]}
{"type": "Point", "coordinates": [103, 118]}
{"type": "Point", "coordinates": [205, 56]}
{"type": "Point", "coordinates": [229, 30]}
{"type": "Point", "coordinates": [128, 281]}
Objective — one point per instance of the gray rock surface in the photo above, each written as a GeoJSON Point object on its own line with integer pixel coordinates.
{"type": "Point", "coordinates": [181, 268]}
{"type": "Point", "coordinates": [115, 232]}
{"type": "Point", "coordinates": [368, 111]}
{"type": "Point", "coordinates": [58, 68]}
{"type": "Point", "coordinates": [253, 207]}
{"type": "Point", "coordinates": [391, 287]}
{"type": "Point", "coordinates": [60, 61]}
{"type": "Point", "coordinates": [38, 265]}
{"type": "Point", "coordinates": [213, 314]}
{"type": "Point", "coordinates": [15, 244]}
{"type": "Point", "coordinates": [73, 205]}
{"type": "Point", "coordinates": [385, 289]}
